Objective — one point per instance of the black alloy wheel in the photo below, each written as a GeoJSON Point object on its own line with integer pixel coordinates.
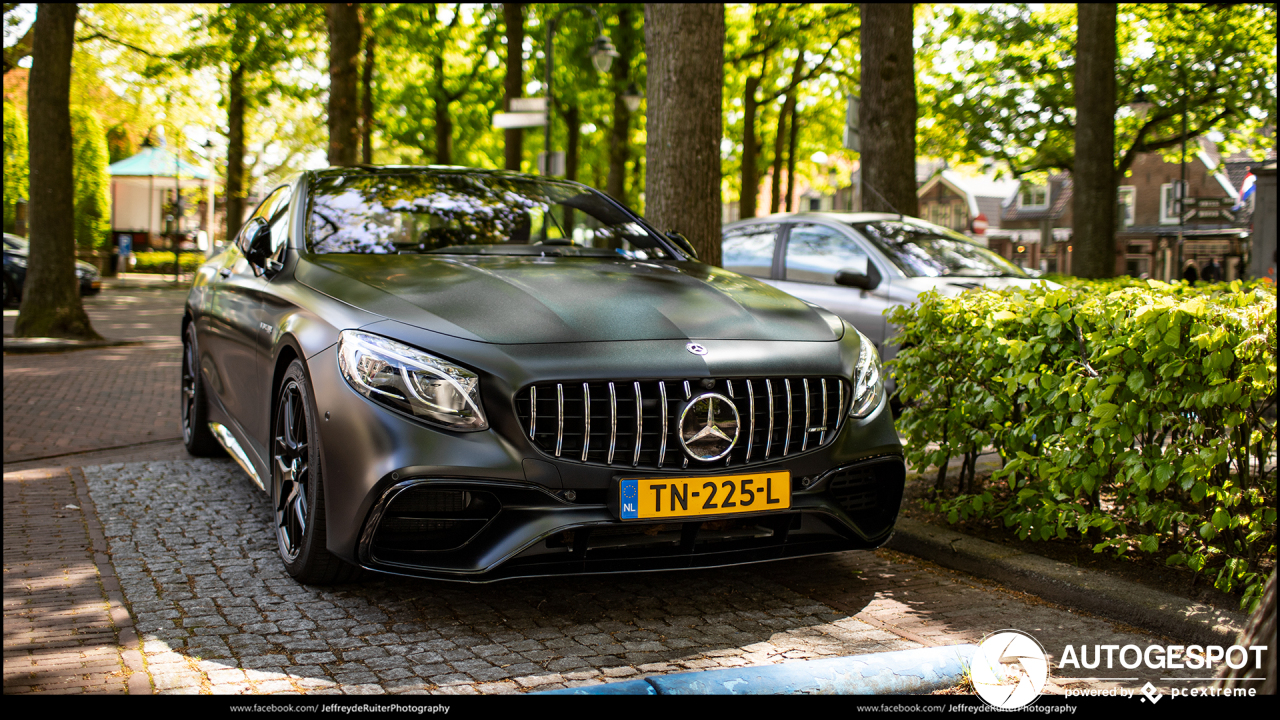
{"type": "Point", "coordinates": [196, 434]}
{"type": "Point", "coordinates": [291, 472]}
{"type": "Point", "coordinates": [297, 493]}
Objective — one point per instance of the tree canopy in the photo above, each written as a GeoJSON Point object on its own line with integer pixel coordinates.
{"type": "Point", "coordinates": [998, 81]}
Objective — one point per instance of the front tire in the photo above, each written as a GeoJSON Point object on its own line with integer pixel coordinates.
{"type": "Point", "coordinates": [196, 435]}
{"type": "Point", "coordinates": [297, 488]}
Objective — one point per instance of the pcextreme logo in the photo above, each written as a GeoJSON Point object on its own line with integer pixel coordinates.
{"type": "Point", "coordinates": [1009, 669]}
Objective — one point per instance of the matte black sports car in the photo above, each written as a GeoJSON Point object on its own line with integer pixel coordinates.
{"type": "Point", "coordinates": [478, 375]}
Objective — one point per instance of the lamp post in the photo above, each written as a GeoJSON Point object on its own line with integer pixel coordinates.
{"type": "Point", "coordinates": [602, 54]}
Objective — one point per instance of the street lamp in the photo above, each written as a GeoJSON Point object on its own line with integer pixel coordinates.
{"type": "Point", "coordinates": [632, 98]}
{"type": "Point", "coordinates": [602, 54]}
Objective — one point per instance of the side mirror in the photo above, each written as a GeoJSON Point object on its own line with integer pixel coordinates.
{"type": "Point", "coordinates": [852, 278]}
{"type": "Point", "coordinates": [257, 242]}
{"type": "Point", "coordinates": [683, 243]}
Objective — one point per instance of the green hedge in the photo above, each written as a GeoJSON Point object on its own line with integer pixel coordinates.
{"type": "Point", "coordinates": [162, 262]}
{"type": "Point", "coordinates": [1134, 416]}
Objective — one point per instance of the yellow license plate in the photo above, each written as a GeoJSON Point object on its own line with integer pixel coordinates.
{"type": "Point", "coordinates": [660, 498]}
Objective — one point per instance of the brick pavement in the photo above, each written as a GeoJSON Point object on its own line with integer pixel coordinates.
{"type": "Point", "coordinates": [63, 403]}
{"type": "Point", "coordinates": [60, 626]}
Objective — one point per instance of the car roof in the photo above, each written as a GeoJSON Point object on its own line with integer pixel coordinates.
{"type": "Point", "coordinates": [435, 170]}
{"type": "Point", "coordinates": [840, 217]}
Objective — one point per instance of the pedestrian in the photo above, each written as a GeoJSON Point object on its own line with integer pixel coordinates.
{"type": "Point", "coordinates": [1190, 274]}
{"type": "Point", "coordinates": [1211, 272]}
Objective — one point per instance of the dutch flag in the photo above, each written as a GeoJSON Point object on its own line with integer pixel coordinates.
{"type": "Point", "coordinates": [1246, 190]}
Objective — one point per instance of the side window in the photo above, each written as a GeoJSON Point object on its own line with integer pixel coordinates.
{"type": "Point", "coordinates": [749, 250]}
{"type": "Point", "coordinates": [266, 210]}
{"type": "Point", "coordinates": [816, 253]}
{"type": "Point", "coordinates": [279, 220]}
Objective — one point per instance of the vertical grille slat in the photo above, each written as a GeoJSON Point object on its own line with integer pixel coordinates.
{"type": "Point", "coordinates": [662, 447]}
{"type": "Point", "coordinates": [786, 441]}
{"type": "Point", "coordinates": [768, 443]}
{"type": "Point", "coordinates": [613, 422]}
{"type": "Point", "coordinates": [560, 415]}
{"type": "Point", "coordinates": [586, 418]}
{"type": "Point", "coordinates": [635, 457]}
{"type": "Point", "coordinates": [579, 434]}
{"type": "Point", "coordinates": [823, 437]}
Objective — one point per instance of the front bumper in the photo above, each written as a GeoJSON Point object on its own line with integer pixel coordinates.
{"type": "Point", "coordinates": [538, 515]}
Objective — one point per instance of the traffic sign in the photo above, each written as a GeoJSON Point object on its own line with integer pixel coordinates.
{"type": "Point", "coordinates": [519, 119]}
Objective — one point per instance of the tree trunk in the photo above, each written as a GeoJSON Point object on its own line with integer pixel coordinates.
{"type": "Point", "coordinates": [235, 151]}
{"type": "Point", "coordinates": [366, 100]}
{"type": "Point", "coordinates": [1261, 630]}
{"type": "Point", "coordinates": [775, 196]}
{"type": "Point", "coordinates": [888, 109]}
{"type": "Point", "coordinates": [444, 132]}
{"type": "Point", "coordinates": [51, 294]}
{"type": "Point", "coordinates": [620, 132]}
{"type": "Point", "coordinates": [513, 138]}
{"type": "Point", "coordinates": [685, 47]}
{"type": "Point", "coordinates": [1094, 177]}
{"type": "Point", "coordinates": [573, 124]}
{"type": "Point", "coordinates": [785, 118]}
{"type": "Point", "coordinates": [344, 54]}
{"type": "Point", "coordinates": [794, 123]}
{"type": "Point", "coordinates": [750, 151]}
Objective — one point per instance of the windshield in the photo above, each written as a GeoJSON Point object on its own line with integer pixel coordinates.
{"type": "Point", "coordinates": [470, 214]}
{"type": "Point", "coordinates": [932, 251]}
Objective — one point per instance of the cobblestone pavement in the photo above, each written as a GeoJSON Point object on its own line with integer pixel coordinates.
{"type": "Point", "coordinates": [191, 543]}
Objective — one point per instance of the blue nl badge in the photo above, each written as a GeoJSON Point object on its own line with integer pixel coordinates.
{"type": "Point", "coordinates": [629, 499]}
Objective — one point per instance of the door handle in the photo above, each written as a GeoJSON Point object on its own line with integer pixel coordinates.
{"type": "Point", "coordinates": [225, 272]}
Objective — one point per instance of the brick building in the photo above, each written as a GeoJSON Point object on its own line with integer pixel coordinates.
{"type": "Point", "coordinates": [1152, 238]}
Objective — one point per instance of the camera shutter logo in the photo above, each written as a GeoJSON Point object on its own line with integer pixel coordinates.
{"type": "Point", "coordinates": [1009, 670]}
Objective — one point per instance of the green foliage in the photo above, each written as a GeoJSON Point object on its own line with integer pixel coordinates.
{"type": "Point", "coordinates": [1135, 416]}
{"type": "Point", "coordinates": [91, 180]}
{"type": "Point", "coordinates": [162, 262]}
{"type": "Point", "coordinates": [16, 171]}
{"type": "Point", "coordinates": [998, 80]}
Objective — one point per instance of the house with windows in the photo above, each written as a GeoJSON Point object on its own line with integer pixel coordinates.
{"type": "Point", "coordinates": [1154, 238]}
{"type": "Point", "coordinates": [971, 205]}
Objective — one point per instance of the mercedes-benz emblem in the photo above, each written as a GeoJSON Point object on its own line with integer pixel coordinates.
{"type": "Point", "coordinates": [709, 427]}
{"type": "Point", "coordinates": [696, 349]}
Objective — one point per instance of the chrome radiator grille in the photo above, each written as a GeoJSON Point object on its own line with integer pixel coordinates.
{"type": "Point", "coordinates": [635, 423]}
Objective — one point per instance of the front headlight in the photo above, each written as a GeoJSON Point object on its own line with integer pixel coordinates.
{"type": "Point", "coordinates": [411, 381]}
{"type": "Point", "coordinates": [868, 380]}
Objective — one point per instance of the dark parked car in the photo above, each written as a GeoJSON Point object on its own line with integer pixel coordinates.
{"type": "Point", "coordinates": [16, 250]}
{"type": "Point", "coordinates": [477, 375]}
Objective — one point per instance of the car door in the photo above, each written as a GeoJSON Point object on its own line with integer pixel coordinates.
{"type": "Point", "coordinates": [236, 328]}
{"type": "Point", "coordinates": [811, 256]}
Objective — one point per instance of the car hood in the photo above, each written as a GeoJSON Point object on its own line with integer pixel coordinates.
{"type": "Point", "coordinates": [956, 284]}
{"type": "Point", "coordinates": [514, 300]}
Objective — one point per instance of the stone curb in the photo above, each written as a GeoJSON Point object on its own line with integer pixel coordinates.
{"type": "Point", "coordinates": [128, 644]}
{"type": "Point", "coordinates": [1109, 597]}
{"type": "Point", "coordinates": [904, 672]}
